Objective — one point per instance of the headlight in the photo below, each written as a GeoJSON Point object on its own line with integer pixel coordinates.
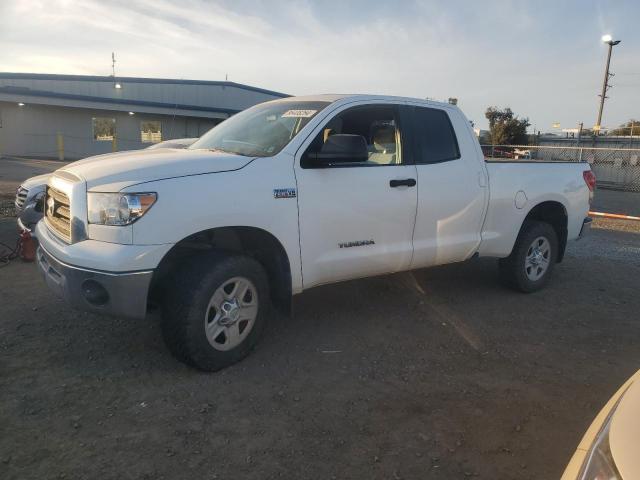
{"type": "Point", "coordinates": [118, 208]}
{"type": "Point", "coordinates": [599, 464]}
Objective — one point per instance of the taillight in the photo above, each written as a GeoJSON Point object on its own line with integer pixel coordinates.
{"type": "Point", "coordinates": [589, 179]}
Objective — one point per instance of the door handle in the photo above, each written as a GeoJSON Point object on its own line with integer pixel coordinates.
{"type": "Point", "coordinates": [407, 182]}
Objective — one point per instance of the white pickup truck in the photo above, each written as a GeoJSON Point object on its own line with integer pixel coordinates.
{"type": "Point", "coordinates": [291, 194]}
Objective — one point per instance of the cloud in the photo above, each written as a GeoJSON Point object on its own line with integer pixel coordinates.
{"type": "Point", "coordinates": [543, 62]}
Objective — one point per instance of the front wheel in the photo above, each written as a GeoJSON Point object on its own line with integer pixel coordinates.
{"type": "Point", "coordinates": [215, 310]}
{"type": "Point", "coordinates": [534, 255]}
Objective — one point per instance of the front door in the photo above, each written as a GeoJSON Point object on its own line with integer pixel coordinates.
{"type": "Point", "coordinates": [356, 214]}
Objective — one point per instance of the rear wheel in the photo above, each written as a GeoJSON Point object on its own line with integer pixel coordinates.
{"type": "Point", "coordinates": [534, 255]}
{"type": "Point", "coordinates": [215, 310]}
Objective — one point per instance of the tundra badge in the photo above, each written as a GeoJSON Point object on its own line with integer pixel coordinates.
{"type": "Point", "coordinates": [284, 193]}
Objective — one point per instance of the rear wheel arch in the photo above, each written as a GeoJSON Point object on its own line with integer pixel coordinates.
{"type": "Point", "coordinates": [555, 214]}
{"type": "Point", "coordinates": [254, 242]}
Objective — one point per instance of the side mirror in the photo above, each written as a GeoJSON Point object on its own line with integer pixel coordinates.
{"type": "Point", "coordinates": [339, 149]}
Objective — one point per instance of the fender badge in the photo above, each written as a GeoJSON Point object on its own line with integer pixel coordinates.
{"type": "Point", "coordinates": [284, 193]}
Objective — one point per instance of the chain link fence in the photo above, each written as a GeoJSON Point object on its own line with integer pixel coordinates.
{"type": "Point", "coordinates": [615, 168]}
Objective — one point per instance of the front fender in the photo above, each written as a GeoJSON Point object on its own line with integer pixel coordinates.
{"type": "Point", "coordinates": [242, 198]}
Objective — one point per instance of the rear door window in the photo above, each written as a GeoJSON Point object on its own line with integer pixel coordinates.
{"type": "Point", "coordinates": [434, 137]}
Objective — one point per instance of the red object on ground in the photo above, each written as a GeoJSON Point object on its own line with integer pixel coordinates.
{"type": "Point", "coordinates": [27, 247]}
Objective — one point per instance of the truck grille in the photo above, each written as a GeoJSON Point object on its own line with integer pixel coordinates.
{"type": "Point", "coordinates": [58, 213]}
{"type": "Point", "coordinates": [21, 196]}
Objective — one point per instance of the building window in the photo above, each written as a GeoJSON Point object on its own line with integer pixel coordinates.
{"type": "Point", "coordinates": [150, 132]}
{"type": "Point", "coordinates": [104, 129]}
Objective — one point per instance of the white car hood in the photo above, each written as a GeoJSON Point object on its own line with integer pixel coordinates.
{"type": "Point", "coordinates": [624, 433]}
{"type": "Point", "coordinates": [137, 166]}
{"type": "Point", "coordinates": [36, 183]}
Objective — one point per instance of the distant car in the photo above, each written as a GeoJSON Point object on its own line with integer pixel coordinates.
{"type": "Point", "coordinates": [497, 152]}
{"type": "Point", "coordinates": [609, 449]}
{"type": "Point", "coordinates": [175, 143]}
{"type": "Point", "coordinates": [520, 154]}
{"type": "Point", "coordinates": [30, 202]}
{"type": "Point", "coordinates": [30, 195]}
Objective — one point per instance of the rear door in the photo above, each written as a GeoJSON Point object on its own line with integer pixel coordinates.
{"type": "Point", "coordinates": [452, 193]}
{"type": "Point", "coordinates": [357, 217]}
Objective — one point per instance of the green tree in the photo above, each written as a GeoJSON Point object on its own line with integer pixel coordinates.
{"type": "Point", "coordinates": [632, 127]}
{"type": "Point", "coordinates": [506, 128]}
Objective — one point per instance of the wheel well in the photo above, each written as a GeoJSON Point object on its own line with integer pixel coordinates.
{"type": "Point", "coordinates": [555, 215]}
{"type": "Point", "coordinates": [251, 241]}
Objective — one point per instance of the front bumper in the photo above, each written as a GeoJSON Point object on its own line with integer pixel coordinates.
{"type": "Point", "coordinates": [118, 294]}
{"type": "Point", "coordinates": [22, 227]}
{"type": "Point", "coordinates": [28, 217]}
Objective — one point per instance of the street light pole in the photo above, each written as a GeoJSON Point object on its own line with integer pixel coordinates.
{"type": "Point", "coordinates": [605, 83]}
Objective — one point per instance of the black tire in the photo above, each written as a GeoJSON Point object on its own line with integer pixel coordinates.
{"type": "Point", "coordinates": [185, 308]}
{"type": "Point", "coordinates": [513, 268]}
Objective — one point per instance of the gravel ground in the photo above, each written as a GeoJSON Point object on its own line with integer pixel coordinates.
{"type": "Point", "coordinates": [440, 374]}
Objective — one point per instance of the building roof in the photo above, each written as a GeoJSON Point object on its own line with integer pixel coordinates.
{"type": "Point", "coordinates": [199, 98]}
{"type": "Point", "coordinates": [110, 79]}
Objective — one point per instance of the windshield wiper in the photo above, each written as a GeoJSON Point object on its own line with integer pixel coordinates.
{"type": "Point", "coordinates": [220, 150]}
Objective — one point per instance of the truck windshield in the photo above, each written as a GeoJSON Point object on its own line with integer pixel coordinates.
{"type": "Point", "coordinates": [262, 130]}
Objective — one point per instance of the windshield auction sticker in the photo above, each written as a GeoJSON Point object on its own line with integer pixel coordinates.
{"type": "Point", "coordinates": [299, 113]}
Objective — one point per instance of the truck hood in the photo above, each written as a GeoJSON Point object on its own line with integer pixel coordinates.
{"type": "Point", "coordinates": [36, 184]}
{"type": "Point", "coordinates": [123, 169]}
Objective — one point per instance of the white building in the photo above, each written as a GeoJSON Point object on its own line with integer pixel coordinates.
{"type": "Point", "coordinates": [76, 116]}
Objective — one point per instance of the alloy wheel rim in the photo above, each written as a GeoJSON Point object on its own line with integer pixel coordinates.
{"type": "Point", "coordinates": [231, 313]}
{"type": "Point", "coordinates": [537, 259]}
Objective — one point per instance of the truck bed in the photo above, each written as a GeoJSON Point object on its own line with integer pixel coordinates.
{"type": "Point", "coordinates": [516, 186]}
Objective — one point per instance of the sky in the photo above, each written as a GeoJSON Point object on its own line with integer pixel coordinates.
{"type": "Point", "coordinates": [543, 59]}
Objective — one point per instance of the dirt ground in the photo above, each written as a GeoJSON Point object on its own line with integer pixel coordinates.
{"type": "Point", "coordinates": [440, 374]}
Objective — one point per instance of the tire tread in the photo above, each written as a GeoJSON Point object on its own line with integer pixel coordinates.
{"type": "Point", "coordinates": [511, 268]}
{"type": "Point", "coordinates": [189, 287]}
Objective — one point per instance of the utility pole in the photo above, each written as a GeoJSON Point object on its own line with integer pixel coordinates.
{"type": "Point", "coordinates": [116, 84]}
{"type": "Point", "coordinates": [580, 127]}
{"type": "Point", "coordinates": [605, 83]}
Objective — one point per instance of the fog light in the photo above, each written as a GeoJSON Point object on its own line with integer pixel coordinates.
{"type": "Point", "coordinates": [94, 293]}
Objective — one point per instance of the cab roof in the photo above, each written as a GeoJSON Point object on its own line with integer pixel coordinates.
{"type": "Point", "coordinates": [336, 97]}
